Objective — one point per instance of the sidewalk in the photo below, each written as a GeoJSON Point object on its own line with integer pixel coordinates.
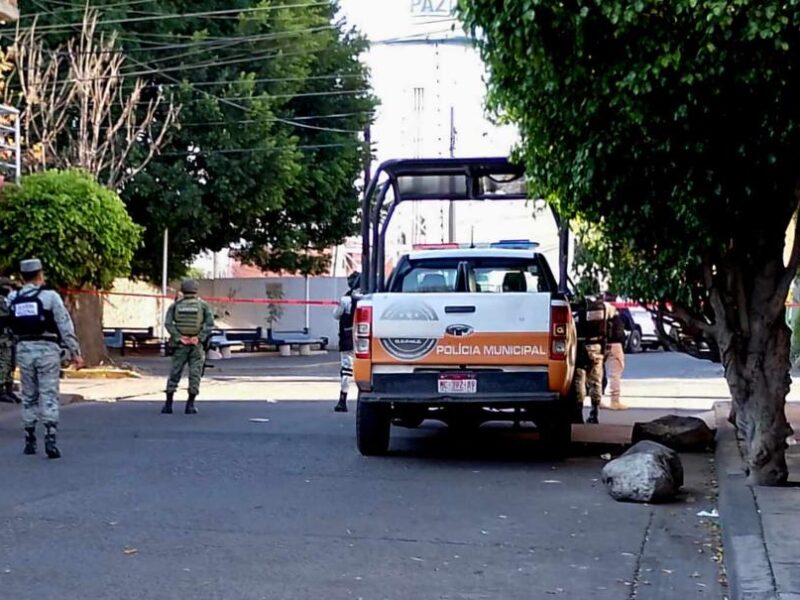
{"type": "Point", "coordinates": [760, 525]}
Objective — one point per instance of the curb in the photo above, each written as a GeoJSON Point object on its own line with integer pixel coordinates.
{"type": "Point", "coordinates": [101, 374]}
{"type": "Point", "coordinates": [749, 570]}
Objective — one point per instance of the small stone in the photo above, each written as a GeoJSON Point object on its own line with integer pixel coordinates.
{"type": "Point", "coordinates": [682, 434]}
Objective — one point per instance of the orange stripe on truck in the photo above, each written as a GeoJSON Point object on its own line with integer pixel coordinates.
{"type": "Point", "coordinates": [507, 349]}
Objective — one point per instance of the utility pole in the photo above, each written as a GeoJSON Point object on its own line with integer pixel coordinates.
{"type": "Point", "coordinates": [365, 266]}
{"type": "Point", "coordinates": [451, 212]}
{"type": "Point", "coordinates": [164, 281]}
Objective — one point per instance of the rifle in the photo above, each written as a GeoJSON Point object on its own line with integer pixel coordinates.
{"type": "Point", "coordinates": [206, 346]}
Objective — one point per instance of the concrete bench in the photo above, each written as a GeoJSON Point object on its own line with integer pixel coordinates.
{"type": "Point", "coordinates": [119, 337]}
{"type": "Point", "coordinates": [286, 340]}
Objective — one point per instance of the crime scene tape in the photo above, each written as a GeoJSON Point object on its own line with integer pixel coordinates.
{"type": "Point", "coordinates": [212, 300]}
{"type": "Point", "coordinates": [283, 302]}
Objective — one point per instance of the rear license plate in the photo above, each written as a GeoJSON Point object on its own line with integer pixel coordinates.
{"type": "Point", "coordinates": [458, 384]}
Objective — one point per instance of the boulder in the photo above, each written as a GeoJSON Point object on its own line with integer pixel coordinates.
{"type": "Point", "coordinates": [648, 472]}
{"type": "Point", "coordinates": [682, 434]}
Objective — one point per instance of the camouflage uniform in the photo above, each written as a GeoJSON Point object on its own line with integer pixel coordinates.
{"type": "Point", "coordinates": [591, 318]}
{"type": "Point", "coordinates": [7, 347]}
{"type": "Point", "coordinates": [345, 314]}
{"type": "Point", "coordinates": [189, 317]}
{"type": "Point", "coordinates": [40, 360]}
{"type": "Point", "coordinates": [41, 326]}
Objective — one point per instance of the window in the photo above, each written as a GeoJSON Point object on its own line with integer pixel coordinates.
{"type": "Point", "coordinates": [499, 279]}
{"type": "Point", "coordinates": [430, 281]}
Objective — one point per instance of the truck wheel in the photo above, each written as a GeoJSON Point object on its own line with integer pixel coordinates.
{"type": "Point", "coordinates": [556, 435]}
{"type": "Point", "coordinates": [372, 428]}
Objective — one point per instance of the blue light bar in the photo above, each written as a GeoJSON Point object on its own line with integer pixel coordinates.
{"type": "Point", "coordinates": [516, 244]}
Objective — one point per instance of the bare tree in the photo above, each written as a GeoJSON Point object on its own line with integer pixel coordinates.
{"type": "Point", "coordinates": [80, 110]}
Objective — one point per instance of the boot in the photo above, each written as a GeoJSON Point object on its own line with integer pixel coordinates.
{"type": "Point", "coordinates": [50, 447]}
{"type": "Point", "coordinates": [190, 408]}
{"type": "Point", "coordinates": [167, 409]}
{"type": "Point", "coordinates": [10, 394]}
{"type": "Point", "coordinates": [30, 440]}
{"type": "Point", "coordinates": [592, 420]}
{"type": "Point", "coordinates": [342, 405]}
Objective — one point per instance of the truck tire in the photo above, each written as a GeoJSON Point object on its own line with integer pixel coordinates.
{"type": "Point", "coordinates": [556, 435]}
{"type": "Point", "coordinates": [373, 422]}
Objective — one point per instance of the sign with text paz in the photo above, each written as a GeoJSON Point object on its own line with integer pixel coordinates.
{"type": "Point", "coordinates": [432, 8]}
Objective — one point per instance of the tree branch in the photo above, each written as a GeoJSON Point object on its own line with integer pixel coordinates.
{"type": "Point", "coordinates": [790, 271]}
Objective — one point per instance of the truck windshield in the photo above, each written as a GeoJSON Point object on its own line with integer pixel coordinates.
{"type": "Point", "coordinates": [494, 275]}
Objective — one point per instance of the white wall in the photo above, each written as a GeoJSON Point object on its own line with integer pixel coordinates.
{"type": "Point", "coordinates": [321, 322]}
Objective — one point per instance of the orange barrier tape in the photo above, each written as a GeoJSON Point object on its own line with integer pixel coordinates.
{"type": "Point", "coordinates": [212, 300]}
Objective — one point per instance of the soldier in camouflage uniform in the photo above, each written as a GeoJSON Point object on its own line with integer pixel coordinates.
{"type": "Point", "coordinates": [41, 325]}
{"type": "Point", "coordinates": [8, 360]}
{"type": "Point", "coordinates": [591, 318]}
{"type": "Point", "coordinates": [190, 323]}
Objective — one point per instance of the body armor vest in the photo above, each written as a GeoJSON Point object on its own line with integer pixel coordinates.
{"type": "Point", "coordinates": [346, 327]}
{"type": "Point", "coordinates": [591, 321]}
{"type": "Point", "coordinates": [30, 322]}
{"type": "Point", "coordinates": [189, 316]}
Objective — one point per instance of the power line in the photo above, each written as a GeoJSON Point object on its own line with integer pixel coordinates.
{"type": "Point", "coordinates": [73, 8]}
{"type": "Point", "coordinates": [198, 152]}
{"type": "Point", "coordinates": [207, 14]}
{"type": "Point", "coordinates": [239, 106]}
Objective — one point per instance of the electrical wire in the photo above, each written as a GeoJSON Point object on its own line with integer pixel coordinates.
{"type": "Point", "coordinates": [206, 14]}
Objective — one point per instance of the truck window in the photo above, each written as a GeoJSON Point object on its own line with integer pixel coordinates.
{"type": "Point", "coordinates": [495, 275]}
{"type": "Point", "coordinates": [501, 279]}
{"type": "Point", "coordinates": [423, 280]}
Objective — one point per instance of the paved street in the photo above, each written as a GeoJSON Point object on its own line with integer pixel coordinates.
{"type": "Point", "coordinates": [253, 500]}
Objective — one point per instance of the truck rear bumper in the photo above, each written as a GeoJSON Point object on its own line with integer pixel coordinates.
{"type": "Point", "coordinates": [490, 400]}
{"type": "Point", "coordinates": [494, 388]}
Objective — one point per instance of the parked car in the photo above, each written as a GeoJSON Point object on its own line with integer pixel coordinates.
{"type": "Point", "coordinates": [642, 334]}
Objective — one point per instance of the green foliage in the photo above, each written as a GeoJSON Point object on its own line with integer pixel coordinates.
{"type": "Point", "coordinates": [78, 228]}
{"type": "Point", "coordinates": [274, 291]}
{"type": "Point", "coordinates": [673, 128]}
{"type": "Point", "coordinates": [244, 164]}
{"type": "Point", "coordinates": [796, 336]}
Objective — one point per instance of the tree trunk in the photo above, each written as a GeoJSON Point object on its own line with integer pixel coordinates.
{"type": "Point", "coordinates": [757, 370]}
{"type": "Point", "coordinates": [87, 314]}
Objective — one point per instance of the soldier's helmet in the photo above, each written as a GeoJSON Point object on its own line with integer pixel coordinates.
{"type": "Point", "coordinates": [190, 286]}
{"type": "Point", "coordinates": [354, 280]}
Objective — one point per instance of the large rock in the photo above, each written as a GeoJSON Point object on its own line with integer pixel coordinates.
{"type": "Point", "coordinates": [682, 434]}
{"type": "Point", "coordinates": [648, 472]}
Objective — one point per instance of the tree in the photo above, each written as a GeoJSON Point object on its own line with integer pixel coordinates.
{"type": "Point", "coordinates": [75, 110]}
{"type": "Point", "coordinates": [81, 232]}
{"type": "Point", "coordinates": [673, 129]}
{"type": "Point", "coordinates": [274, 99]}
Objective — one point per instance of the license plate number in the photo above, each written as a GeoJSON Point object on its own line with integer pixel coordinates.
{"type": "Point", "coordinates": [458, 385]}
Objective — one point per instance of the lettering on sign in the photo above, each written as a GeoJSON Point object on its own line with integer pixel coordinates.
{"type": "Point", "coordinates": [477, 350]}
{"type": "Point", "coordinates": [428, 8]}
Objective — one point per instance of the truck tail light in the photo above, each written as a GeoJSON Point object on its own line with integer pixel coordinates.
{"type": "Point", "coordinates": [363, 332]}
{"type": "Point", "coordinates": [559, 326]}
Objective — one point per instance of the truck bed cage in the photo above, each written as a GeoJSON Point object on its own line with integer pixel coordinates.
{"type": "Point", "coordinates": [430, 179]}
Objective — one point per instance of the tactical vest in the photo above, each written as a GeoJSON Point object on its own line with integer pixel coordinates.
{"type": "Point", "coordinates": [346, 327]}
{"type": "Point", "coordinates": [30, 322]}
{"type": "Point", "coordinates": [591, 317]}
{"type": "Point", "coordinates": [189, 316]}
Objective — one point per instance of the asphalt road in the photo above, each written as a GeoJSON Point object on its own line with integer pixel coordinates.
{"type": "Point", "coordinates": [220, 506]}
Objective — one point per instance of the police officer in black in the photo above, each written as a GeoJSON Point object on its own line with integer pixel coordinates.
{"type": "Point", "coordinates": [345, 313]}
